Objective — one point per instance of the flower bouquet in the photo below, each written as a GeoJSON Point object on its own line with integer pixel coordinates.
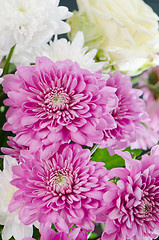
{"type": "Point", "coordinates": [79, 120]}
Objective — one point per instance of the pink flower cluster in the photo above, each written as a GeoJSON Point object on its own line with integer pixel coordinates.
{"type": "Point", "coordinates": [128, 116]}
{"type": "Point", "coordinates": [54, 108]}
{"type": "Point", "coordinates": [150, 83]}
{"type": "Point", "coordinates": [60, 102]}
{"type": "Point", "coordinates": [66, 188]}
{"type": "Point", "coordinates": [131, 208]}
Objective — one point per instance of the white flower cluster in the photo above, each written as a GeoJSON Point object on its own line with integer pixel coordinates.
{"type": "Point", "coordinates": [11, 222]}
{"type": "Point", "coordinates": [31, 22]}
{"type": "Point", "coordinates": [59, 50]}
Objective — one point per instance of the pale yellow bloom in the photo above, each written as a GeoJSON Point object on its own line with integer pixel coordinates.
{"type": "Point", "coordinates": [130, 31]}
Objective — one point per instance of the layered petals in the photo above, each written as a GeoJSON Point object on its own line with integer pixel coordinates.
{"type": "Point", "coordinates": [65, 189]}
{"type": "Point", "coordinates": [58, 102]}
{"type": "Point", "coordinates": [134, 209]}
{"type": "Point", "coordinates": [129, 116]}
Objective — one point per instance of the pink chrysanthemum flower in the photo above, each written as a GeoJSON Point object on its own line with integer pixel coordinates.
{"type": "Point", "coordinates": [132, 206]}
{"type": "Point", "coordinates": [128, 115]}
{"type": "Point", "coordinates": [24, 152]}
{"type": "Point", "coordinates": [150, 137]}
{"type": "Point", "coordinates": [16, 150]}
{"type": "Point", "coordinates": [58, 101]}
{"type": "Point", "coordinates": [151, 98]}
{"type": "Point", "coordinates": [67, 183]}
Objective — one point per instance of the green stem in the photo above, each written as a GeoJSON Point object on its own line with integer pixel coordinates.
{"type": "Point", "coordinates": [94, 148]}
{"type": "Point", "coordinates": [136, 80]}
{"type": "Point", "coordinates": [143, 153]}
{"type": "Point", "coordinates": [102, 226]}
{"type": "Point", "coordinates": [143, 86]}
{"type": "Point", "coordinates": [6, 65]}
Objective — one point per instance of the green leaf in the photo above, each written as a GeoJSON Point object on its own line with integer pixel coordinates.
{"type": "Point", "coordinates": [93, 235]}
{"type": "Point", "coordinates": [102, 155]}
{"type": "Point", "coordinates": [135, 80]}
{"type": "Point", "coordinates": [1, 228]}
{"type": "Point", "coordinates": [1, 164]}
{"type": "Point", "coordinates": [134, 152]}
{"type": "Point", "coordinates": [7, 62]}
{"type": "Point", "coordinates": [36, 233]}
{"type": "Point", "coordinates": [114, 180]}
{"type": "Point", "coordinates": [11, 68]}
{"type": "Point", "coordinates": [4, 134]}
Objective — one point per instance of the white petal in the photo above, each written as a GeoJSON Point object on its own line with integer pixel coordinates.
{"type": "Point", "coordinates": [20, 231]}
{"type": "Point", "coordinates": [7, 232]}
{"type": "Point", "coordinates": [9, 162]}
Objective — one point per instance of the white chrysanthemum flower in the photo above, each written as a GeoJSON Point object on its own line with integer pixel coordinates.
{"type": "Point", "coordinates": [31, 22]}
{"type": "Point", "coordinates": [12, 225]}
{"type": "Point", "coordinates": [59, 50]}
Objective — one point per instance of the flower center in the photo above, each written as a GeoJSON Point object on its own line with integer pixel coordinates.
{"type": "Point", "coordinates": [147, 208]}
{"type": "Point", "coordinates": [56, 99]}
{"type": "Point", "coordinates": [21, 10]}
{"type": "Point", "coordinates": [60, 181]}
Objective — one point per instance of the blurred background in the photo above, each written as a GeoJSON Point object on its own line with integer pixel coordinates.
{"type": "Point", "coordinates": [154, 4]}
{"type": "Point", "coordinates": [71, 4]}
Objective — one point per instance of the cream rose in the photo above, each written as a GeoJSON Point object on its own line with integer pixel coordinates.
{"type": "Point", "coordinates": [130, 30]}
